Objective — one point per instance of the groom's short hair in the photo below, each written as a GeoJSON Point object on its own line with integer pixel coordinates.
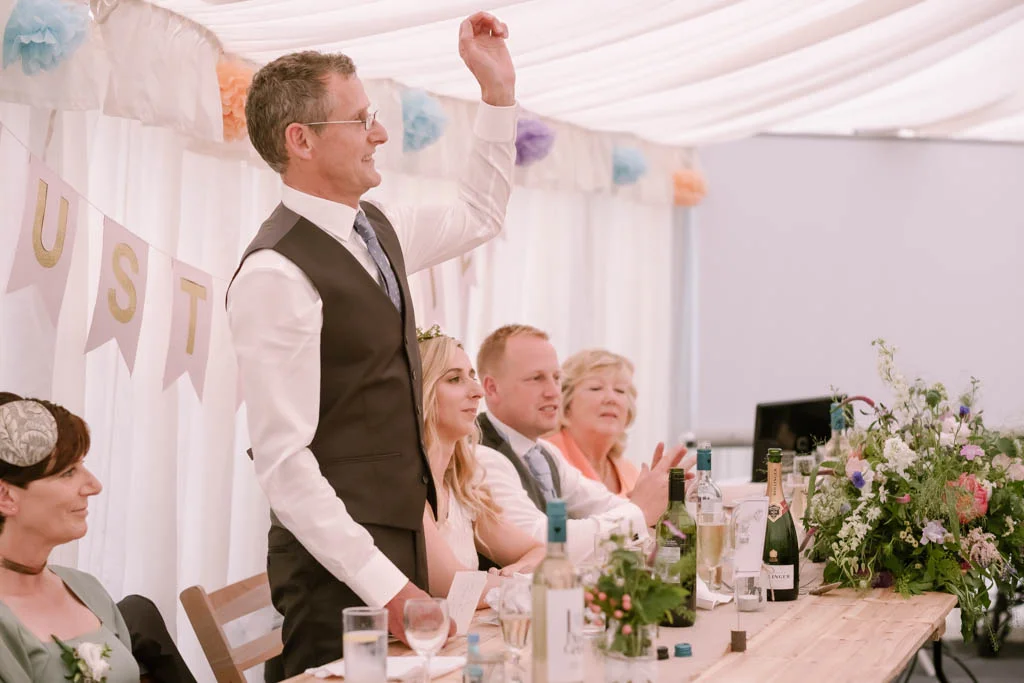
{"type": "Point", "coordinates": [492, 350]}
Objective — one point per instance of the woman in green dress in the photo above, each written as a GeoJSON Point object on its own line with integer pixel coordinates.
{"type": "Point", "coordinates": [44, 500]}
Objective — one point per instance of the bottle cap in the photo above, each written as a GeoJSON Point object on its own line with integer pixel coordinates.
{"type": "Point", "coordinates": [837, 417]}
{"type": "Point", "coordinates": [704, 459]}
{"type": "Point", "coordinates": [556, 521]}
{"type": "Point", "coordinates": [683, 650]}
{"type": "Point", "coordinates": [662, 652]}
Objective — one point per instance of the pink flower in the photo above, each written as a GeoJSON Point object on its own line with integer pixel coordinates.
{"type": "Point", "coordinates": [589, 596]}
{"type": "Point", "coordinates": [602, 596]}
{"type": "Point", "coordinates": [904, 499]}
{"type": "Point", "coordinates": [972, 451]}
{"type": "Point", "coordinates": [596, 609]}
{"type": "Point", "coordinates": [627, 629]}
{"type": "Point", "coordinates": [234, 78]}
{"type": "Point", "coordinates": [617, 614]}
{"type": "Point", "coordinates": [689, 187]}
{"type": "Point", "coordinates": [972, 500]}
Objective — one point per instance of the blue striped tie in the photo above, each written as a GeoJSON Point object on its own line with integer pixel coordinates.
{"type": "Point", "coordinates": [541, 471]}
{"type": "Point", "coordinates": [365, 230]}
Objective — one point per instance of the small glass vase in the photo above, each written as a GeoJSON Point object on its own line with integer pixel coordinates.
{"type": "Point", "coordinates": [631, 657]}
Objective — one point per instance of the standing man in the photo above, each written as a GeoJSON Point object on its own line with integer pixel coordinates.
{"type": "Point", "coordinates": [324, 331]}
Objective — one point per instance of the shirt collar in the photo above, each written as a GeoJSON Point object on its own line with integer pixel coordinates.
{"type": "Point", "coordinates": [331, 217]}
{"type": "Point", "coordinates": [519, 443]}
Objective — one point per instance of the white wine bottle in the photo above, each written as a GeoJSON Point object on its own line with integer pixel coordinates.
{"type": "Point", "coordinates": [557, 609]}
{"type": "Point", "coordinates": [781, 549]}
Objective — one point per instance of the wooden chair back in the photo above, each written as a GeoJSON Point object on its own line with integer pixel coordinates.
{"type": "Point", "coordinates": [209, 612]}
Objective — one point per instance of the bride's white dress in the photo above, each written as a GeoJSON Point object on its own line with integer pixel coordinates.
{"type": "Point", "coordinates": [457, 530]}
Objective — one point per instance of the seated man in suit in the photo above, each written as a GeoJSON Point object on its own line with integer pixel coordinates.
{"type": "Point", "coordinates": [519, 370]}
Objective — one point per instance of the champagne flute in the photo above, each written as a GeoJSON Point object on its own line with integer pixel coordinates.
{"type": "Point", "coordinates": [426, 628]}
{"type": "Point", "coordinates": [710, 544]}
{"type": "Point", "coordinates": [514, 612]}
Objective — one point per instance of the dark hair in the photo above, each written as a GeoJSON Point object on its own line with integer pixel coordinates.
{"type": "Point", "coordinates": [72, 445]}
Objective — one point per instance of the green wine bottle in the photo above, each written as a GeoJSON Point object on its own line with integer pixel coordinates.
{"type": "Point", "coordinates": [781, 550]}
{"type": "Point", "coordinates": [676, 559]}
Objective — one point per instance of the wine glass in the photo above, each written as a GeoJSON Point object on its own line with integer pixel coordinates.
{"type": "Point", "coordinates": [426, 628]}
{"type": "Point", "coordinates": [514, 612]}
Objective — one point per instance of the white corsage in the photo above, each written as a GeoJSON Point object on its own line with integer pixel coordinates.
{"type": "Point", "coordinates": [86, 663]}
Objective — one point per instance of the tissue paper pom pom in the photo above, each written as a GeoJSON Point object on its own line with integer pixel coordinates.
{"type": "Point", "coordinates": [234, 78]}
{"type": "Point", "coordinates": [44, 33]}
{"type": "Point", "coordinates": [534, 140]}
{"type": "Point", "coordinates": [690, 188]}
{"type": "Point", "coordinates": [628, 164]}
{"type": "Point", "coordinates": [423, 120]}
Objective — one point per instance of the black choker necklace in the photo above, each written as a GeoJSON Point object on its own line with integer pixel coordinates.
{"type": "Point", "coordinates": [20, 568]}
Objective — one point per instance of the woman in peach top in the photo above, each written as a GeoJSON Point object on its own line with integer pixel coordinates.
{"type": "Point", "coordinates": [598, 405]}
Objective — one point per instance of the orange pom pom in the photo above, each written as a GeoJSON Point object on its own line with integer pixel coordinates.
{"type": "Point", "coordinates": [234, 78]}
{"type": "Point", "coordinates": [690, 187]}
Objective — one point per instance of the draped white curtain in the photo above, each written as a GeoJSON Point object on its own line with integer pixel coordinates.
{"type": "Point", "coordinates": [683, 71]}
{"type": "Point", "coordinates": [180, 504]}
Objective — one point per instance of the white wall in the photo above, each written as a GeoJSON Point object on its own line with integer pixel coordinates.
{"type": "Point", "coordinates": [809, 248]}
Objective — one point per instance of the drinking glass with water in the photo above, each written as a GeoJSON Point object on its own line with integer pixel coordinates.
{"type": "Point", "coordinates": [365, 641]}
{"type": "Point", "coordinates": [514, 612]}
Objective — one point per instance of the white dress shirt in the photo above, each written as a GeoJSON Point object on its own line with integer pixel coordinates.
{"type": "Point", "coordinates": [593, 510]}
{"type": "Point", "coordinates": [275, 315]}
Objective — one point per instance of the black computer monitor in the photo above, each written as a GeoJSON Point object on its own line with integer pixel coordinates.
{"type": "Point", "coordinates": [790, 425]}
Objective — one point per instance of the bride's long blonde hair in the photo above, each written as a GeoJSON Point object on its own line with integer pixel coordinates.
{"type": "Point", "coordinates": [462, 475]}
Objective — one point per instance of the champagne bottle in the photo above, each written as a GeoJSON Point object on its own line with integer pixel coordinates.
{"type": "Point", "coordinates": [557, 609]}
{"type": "Point", "coordinates": [677, 540]}
{"type": "Point", "coordinates": [781, 550]}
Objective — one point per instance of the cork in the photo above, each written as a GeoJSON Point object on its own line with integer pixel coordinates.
{"type": "Point", "coordinates": [739, 641]}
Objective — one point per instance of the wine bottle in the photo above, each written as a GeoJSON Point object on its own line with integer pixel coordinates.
{"type": "Point", "coordinates": [677, 541]}
{"type": "Point", "coordinates": [557, 609]}
{"type": "Point", "coordinates": [704, 495]}
{"type": "Point", "coordinates": [781, 550]}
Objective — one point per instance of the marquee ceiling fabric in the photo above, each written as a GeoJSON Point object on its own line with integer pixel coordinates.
{"type": "Point", "coordinates": [684, 72]}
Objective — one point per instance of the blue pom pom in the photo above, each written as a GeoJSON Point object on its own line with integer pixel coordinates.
{"type": "Point", "coordinates": [423, 120]}
{"type": "Point", "coordinates": [628, 165]}
{"type": "Point", "coordinates": [44, 33]}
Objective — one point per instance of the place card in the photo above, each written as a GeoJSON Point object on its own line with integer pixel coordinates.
{"type": "Point", "coordinates": [750, 520]}
{"type": "Point", "coordinates": [463, 597]}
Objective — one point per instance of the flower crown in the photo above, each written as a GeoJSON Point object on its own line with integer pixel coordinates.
{"type": "Point", "coordinates": [28, 433]}
{"type": "Point", "coordinates": [432, 332]}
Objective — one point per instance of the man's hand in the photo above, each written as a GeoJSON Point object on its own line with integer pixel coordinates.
{"type": "Point", "coordinates": [396, 611]}
{"type": "Point", "coordinates": [482, 47]}
{"type": "Point", "coordinates": [651, 491]}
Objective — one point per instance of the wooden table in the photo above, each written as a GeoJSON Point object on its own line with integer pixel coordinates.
{"type": "Point", "coordinates": [841, 636]}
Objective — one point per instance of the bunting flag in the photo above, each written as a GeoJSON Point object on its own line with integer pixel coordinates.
{"type": "Point", "coordinates": [433, 299]}
{"type": "Point", "coordinates": [122, 292]}
{"type": "Point", "coordinates": [47, 240]}
{"type": "Point", "coordinates": [191, 317]}
{"type": "Point", "coordinates": [467, 280]}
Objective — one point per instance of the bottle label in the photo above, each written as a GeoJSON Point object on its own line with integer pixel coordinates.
{"type": "Point", "coordinates": [565, 635]}
{"type": "Point", "coordinates": [776, 510]}
{"type": "Point", "coordinates": [710, 506]}
{"type": "Point", "coordinates": [780, 577]}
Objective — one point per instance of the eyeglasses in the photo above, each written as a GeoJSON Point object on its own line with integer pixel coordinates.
{"type": "Point", "coordinates": [367, 123]}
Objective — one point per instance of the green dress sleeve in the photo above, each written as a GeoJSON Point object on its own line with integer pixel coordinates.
{"type": "Point", "coordinates": [15, 666]}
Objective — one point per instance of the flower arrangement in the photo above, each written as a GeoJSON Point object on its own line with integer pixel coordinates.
{"type": "Point", "coordinates": [631, 597]}
{"type": "Point", "coordinates": [86, 663]}
{"type": "Point", "coordinates": [925, 498]}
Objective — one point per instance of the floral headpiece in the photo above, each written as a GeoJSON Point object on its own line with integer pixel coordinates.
{"type": "Point", "coordinates": [28, 433]}
{"type": "Point", "coordinates": [432, 332]}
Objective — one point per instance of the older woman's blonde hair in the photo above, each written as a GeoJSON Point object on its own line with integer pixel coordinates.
{"type": "Point", "coordinates": [462, 474]}
{"type": "Point", "coordinates": [581, 365]}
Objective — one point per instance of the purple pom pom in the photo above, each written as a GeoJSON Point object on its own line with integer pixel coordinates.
{"type": "Point", "coordinates": [534, 139]}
